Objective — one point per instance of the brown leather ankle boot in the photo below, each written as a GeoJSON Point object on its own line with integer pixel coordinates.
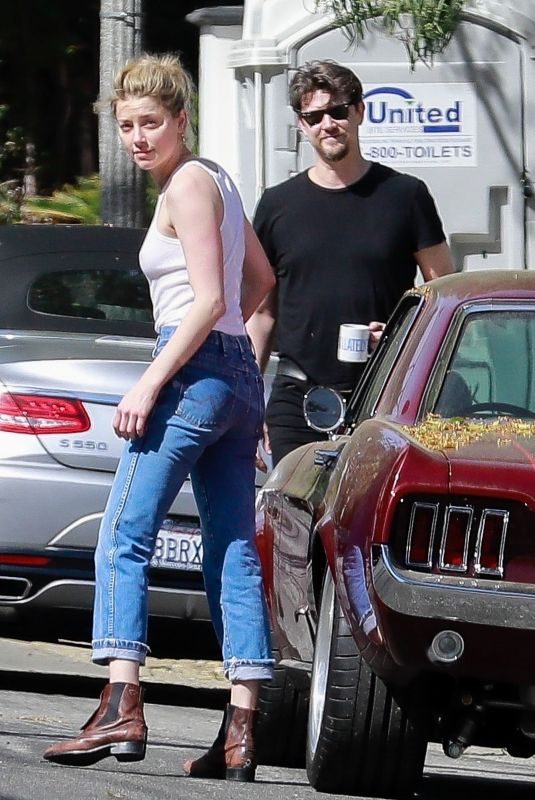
{"type": "Point", "coordinates": [117, 728]}
{"type": "Point", "coordinates": [240, 752]}
{"type": "Point", "coordinates": [212, 763]}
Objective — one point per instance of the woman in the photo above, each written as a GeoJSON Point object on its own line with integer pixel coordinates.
{"type": "Point", "coordinates": [197, 410]}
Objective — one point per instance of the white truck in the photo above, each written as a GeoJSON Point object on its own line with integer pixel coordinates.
{"type": "Point", "coordinates": [466, 125]}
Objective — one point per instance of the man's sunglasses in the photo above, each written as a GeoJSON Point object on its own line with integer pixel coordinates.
{"type": "Point", "coordinates": [335, 112]}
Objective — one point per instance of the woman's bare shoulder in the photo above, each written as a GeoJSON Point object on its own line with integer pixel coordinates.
{"type": "Point", "coordinates": [193, 194]}
{"type": "Point", "coordinates": [192, 176]}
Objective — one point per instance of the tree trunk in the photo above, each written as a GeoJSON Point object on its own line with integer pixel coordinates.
{"type": "Point", "coordinates": [123, 185]}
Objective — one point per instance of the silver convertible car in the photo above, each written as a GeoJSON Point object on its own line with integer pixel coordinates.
{"type": "Point", "coordinates": [76, 332]}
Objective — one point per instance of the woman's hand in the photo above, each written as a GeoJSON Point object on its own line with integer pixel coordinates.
{"type": "Point", "coordinates": [133, 411]}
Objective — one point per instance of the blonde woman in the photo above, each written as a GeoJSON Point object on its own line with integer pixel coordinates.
{"type": "Point", "coordinates": [197, 410]}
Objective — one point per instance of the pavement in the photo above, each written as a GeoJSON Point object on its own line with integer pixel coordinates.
{"type": "Point", "coordinates": [46, 688]}
{"type": "Point", "coordinates": [73, 660]}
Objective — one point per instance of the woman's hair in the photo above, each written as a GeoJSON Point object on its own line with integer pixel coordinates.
{"type": "Point", "coordinates": [328, 76]}
{"type": "Point", "coordinates": [159, 76]}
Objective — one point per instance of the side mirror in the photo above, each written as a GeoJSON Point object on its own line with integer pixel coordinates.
{"type": "Point", "coordinates": [324, 409]}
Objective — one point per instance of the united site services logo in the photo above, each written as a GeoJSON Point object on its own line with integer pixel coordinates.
{"type": "Point", "coordinates": [421, 124]}
{"type": "Point", "coordinates": [392, 106]}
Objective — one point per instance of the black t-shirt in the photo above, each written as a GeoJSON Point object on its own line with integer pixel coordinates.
{"type": "Point", "coordinates": [341, 255]}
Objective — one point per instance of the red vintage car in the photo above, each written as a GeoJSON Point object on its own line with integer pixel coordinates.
{"type": "Point", "coordinates": [399, 556]}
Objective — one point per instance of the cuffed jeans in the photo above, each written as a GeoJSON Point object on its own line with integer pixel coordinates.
{"type": "Point", "coordinates": [206, 423]}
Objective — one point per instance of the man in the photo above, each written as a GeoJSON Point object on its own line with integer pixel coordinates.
{"type": "Point", "coordinates": [344, 239]}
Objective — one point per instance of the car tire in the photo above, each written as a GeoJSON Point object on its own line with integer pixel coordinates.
{"type": "Point", "coordinates": [282, 719]}
{"type": "Point", "coordinates": [360, 741]}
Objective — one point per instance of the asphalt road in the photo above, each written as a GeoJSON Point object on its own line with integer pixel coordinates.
{"type": "Point", "coordinates": [43, 697]}
{"type": "Point", "coordinates": [29, 720]}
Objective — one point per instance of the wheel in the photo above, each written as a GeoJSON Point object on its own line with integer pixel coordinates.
{"type": "Point", "coordinates": [360, 741]}
{"type": "Point", "coordinates": [282, 720]}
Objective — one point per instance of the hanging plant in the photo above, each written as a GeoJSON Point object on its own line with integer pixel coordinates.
{"type": "Point", "coordinates": [424, 26]}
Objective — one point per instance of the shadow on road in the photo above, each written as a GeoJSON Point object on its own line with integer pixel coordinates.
{"type": "Point", "coordinates": [81, 686]}
{"type": "Point", "coordinates": [444, 787]}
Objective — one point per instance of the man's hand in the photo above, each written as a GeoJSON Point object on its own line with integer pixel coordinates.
{"type": "Point", "coordinates": [133, 411]}
{"type": "Point", "coordinates": [266, 445]}
{"type": "Point", "coordinates": [376, 331]}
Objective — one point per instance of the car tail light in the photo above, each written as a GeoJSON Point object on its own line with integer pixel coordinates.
{"type": "Point", "coordinates": [455, 539]}
{"type": "Point", "coordinates": [34, 414]}
{"type": "Point", "coordinates": [422, 526]}
{"type": "Point", "coordinates": [25, 561]}
{"type": "Point", "coordinates": [490, 543]}
{"type": "Point", "coordinates": [466, 536]}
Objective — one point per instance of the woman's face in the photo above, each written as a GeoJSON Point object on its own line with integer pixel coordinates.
{"type": "Point", "coordinates": [152, 136]}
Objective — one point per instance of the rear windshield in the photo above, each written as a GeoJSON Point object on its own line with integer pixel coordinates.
{"type": "Point", "coordinates": [492, 370]}
{"type": "Point", "coordinates": [105, 294]}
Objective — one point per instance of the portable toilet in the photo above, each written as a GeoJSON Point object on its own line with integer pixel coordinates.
{"type": "Point", "coordinates": [465, 125]}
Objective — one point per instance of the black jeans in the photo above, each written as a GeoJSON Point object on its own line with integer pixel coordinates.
{"type": "Point", "coordinates": [285, 418]}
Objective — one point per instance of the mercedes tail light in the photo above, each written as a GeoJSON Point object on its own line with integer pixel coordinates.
{"type": "Point", "coordinates": [23, 560]}
{"type": "Point", "coordinates": [36, 414]}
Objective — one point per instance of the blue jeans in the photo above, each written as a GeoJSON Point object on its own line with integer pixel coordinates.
{"type": "Point", "coordinates": [206, 423]}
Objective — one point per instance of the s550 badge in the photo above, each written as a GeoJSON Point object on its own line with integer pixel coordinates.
{"type": "Point", "coordinates": [83, 444]}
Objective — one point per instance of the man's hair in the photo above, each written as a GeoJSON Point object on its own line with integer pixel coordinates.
{"type": "Point", "coordinates": [327, 76]}
{"type": "Point", "coordinates": [160, 76]}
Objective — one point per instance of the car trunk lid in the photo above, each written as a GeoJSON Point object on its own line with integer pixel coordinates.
{"type": "Point", "coordinates": [486, 457]}
{"type": "Point", "coordinates": [498, 467]}
{"type": "Point", "coordinates": [94, 372]}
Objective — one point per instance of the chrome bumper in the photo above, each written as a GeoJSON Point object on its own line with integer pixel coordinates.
{"type": "Point", "coordinates": [499, 603]}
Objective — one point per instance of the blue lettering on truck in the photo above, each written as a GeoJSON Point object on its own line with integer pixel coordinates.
{"type": "Point", "coordinates": [399, 107]}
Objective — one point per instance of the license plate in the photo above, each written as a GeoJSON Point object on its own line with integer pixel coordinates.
{"type": "Point", "coordinates": [178, 546]}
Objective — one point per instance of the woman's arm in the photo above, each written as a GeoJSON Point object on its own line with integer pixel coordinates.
{"type": "Point", "coordinates": [194, 211]}
{"type": "Point", "coordinates": [258, 276]}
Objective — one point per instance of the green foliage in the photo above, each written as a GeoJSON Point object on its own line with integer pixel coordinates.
{"type": "Point", "coordinates": [48, 80]}
{"type": "Point", "coordinates": [10, 202]}
{"type": "Point", "coordinates": [12, 148]}
{"type": "Point", "coordinates": [424, 26]}
{"type": "Point", "coordinates": [78, 203]}
{"type": "Point", "coordinates": [12, 145]}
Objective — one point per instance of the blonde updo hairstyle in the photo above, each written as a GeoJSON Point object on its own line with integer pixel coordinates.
{"type": "Point", "coordinates": [160, 76]}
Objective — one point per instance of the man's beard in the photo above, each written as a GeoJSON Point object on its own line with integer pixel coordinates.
{"type": "Point", "coordinates": [336, 154]}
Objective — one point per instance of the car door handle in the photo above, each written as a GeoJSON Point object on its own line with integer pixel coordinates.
{"type": "Point", "coordinates": [327, 458]}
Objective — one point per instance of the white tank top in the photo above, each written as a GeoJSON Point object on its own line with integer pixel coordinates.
{"type": "Point", "coordinates": [163, 262]}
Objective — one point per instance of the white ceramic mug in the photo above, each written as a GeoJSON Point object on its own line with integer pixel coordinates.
{"type": "Point", "coordinates": [353, 342]}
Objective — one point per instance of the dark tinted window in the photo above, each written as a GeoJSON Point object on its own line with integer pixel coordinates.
{"type": "Point", "coordinates": [105, 294]}
{"type": "Point", "coordinates": [373, 381]}
{"type": "Point", "coordinates": [491, 370]}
